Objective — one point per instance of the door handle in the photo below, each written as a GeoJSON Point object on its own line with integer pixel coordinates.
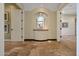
{"type": "Point", "coordinates": [11, 29]}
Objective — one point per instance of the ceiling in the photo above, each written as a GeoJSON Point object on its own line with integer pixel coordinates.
{"type": "Point", "coordinates": [69, 9]}
{"type": "Point", "coordinates": [50, 6]}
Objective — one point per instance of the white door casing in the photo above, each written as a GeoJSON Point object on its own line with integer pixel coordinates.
{"type": "Point", "coordinates": [58, 26]}
{"type": "Point", "coordinates": [1, 29]}
{"type": "Point", "coordinates": [77, 30]}
{"type": "Point", "coordinates": [16, 25]}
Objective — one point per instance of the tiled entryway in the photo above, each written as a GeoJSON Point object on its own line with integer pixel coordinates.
{"type": "Point", "coordinates": [33, 48]}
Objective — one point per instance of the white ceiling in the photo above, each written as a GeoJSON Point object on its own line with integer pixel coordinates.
{"type": "Point", "coordinates": [69, 9]}
{"type": "Point", "coordinates": [50, 6]}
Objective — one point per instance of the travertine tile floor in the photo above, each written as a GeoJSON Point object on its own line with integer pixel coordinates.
{"type": "Point", "coordinates": [67, 47]}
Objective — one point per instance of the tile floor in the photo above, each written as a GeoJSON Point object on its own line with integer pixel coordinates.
{"type": "Point", "coordinates": [66, 47]}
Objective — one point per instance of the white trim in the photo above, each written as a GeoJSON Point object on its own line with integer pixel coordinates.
{"type": "Point", "coordinates": [77, 31]}
{"type": "Point", "coordinates": [22, 24]}
{"type": "Point", "coordinates": [1, 29]}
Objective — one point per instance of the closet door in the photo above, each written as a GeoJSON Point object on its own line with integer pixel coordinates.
{"type": "Point", "coordinates": [16, 25]}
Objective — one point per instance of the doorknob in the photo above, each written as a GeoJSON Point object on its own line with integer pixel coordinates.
{"type": "Point", "coordinates": [11, 29]}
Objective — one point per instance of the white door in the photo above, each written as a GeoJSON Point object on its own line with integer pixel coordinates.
{"type": "Point", "coordinates": [16, 25]}
{"type": "Point", "coordinates": [59, 26]}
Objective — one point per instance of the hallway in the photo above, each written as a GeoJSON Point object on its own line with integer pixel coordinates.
{"type": "Point", "coordinates": [48, 25]}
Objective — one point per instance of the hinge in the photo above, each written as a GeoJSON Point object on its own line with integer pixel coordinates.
{"type": "Point", "coordinates": [60, 28]}
{"type": "Point", "coordinates": [60, 13]}
{"type": "Point", "coordinates": [22, 12]}
{"type": "Point", "coordinates": [21, 20]}
{"type": "Point", "coordinates": [60, 36]}
{"type": "Point", "coordinates": [21, 28]}
{"type": "Point", "coordinates": [60, 20]}
{"type": "Point", "coordinates": [21, 36]}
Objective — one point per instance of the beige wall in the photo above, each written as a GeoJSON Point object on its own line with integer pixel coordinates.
{"type": "Point", "coordinates": [70, 19]}
{"type": "Point", "coordinates": [29, 23]}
